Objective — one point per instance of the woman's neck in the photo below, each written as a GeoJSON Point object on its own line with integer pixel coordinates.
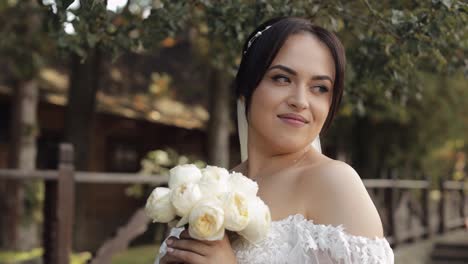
{"type": "Point", "coordinates": [263, 160]}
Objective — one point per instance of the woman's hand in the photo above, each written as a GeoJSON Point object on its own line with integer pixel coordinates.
{"type": "Point", "coordinates": [192, 251]}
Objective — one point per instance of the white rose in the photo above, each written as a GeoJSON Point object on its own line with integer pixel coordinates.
{"type": "Point", "coordinates": [236, 211]}
{"type": "Point", "coordinates": [184, 197]}
{"type": "Point", "coordinates": [206, 220]}
{"type": "Point", "coordinates": [240, 183]}
{"type": "Point", "coordinates": [158, 206]}
{"type": "Point", "coordinates": [181, 174]}
{"type": "Point", "coordinates": [214, 181]}
{"type": "Point", "coordinates": [260, 221]}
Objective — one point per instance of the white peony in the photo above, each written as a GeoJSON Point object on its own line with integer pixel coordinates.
{"type": "Point", "coordinates": [236, 211]}
{"type": "Point", "coordinates": [159, 207]}
{"type": "Point", "coordinates": [210, 201]}
{"type": "Point", "coordinates": [187, 173]}
{"type": "Point", "coordinates": [214, 181]}
{"type": "Point", "coordinates": [240, 183]}
{"type": "Point", "coordinates": [184, 197]}
{"type": "Point", "coordinates": [206, 220]}
{"type": "Point", "coordinates": [260, 221]}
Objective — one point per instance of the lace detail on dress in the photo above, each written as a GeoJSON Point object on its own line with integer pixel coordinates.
{"type": "Point", "coordinates": [298, 240]}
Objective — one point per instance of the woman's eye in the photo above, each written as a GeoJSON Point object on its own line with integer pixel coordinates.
{"type": "Point", "coordinates": [320, 88]}
{"type": "Point", "coordinates": [281, 79]}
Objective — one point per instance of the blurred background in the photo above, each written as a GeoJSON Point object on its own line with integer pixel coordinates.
{"type": "Point", "coordinates": [136, 87]}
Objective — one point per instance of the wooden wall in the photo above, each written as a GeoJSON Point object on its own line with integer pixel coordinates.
{"type": "Point", "coordinates": [101, 209]}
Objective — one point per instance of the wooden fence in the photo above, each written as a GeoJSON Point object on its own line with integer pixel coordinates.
{"type": "Point", "coordinates": [60, 199]}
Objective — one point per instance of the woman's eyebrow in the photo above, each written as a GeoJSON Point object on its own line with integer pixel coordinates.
{"type": "Point", "coordinates": [293, 72]}
{"type": "Point", "coordinates": [322, 77]}
{"type": "Point", "coordinates": [284, 68]}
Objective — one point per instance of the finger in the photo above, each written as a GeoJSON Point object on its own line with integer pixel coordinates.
{"type": "Point", "coordinates": [169, 259]}
{"type": "Point", "coordinates": [186, 256]}
{"type": "Point", "coordinates": [189, 245]}
{"type": "Point", "coordinates": [185, 234]}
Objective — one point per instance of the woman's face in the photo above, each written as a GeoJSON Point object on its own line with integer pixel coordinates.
{"type": "Point", "coordinates": [297, 85]}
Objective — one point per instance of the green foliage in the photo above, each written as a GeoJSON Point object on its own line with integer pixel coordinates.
{"type": "Point", "coordinates": [439, 125]}
{"type": "Point", "coordinates": [22, 40]}
{"type": "Point", "coordinates": [428, 143]}
{"type": "Point", "coordinates": [386, 56]}
{"type": "Point", "coordinates": [159, 162]}
{"type": "Point", "coordinates": [33, 202]}
{"type": "Point", "coordinates": [167, 19]}
{"type": "Point", "coordinates": [94, 26]}
{"type": "Point", "coordinates": [387, 42]}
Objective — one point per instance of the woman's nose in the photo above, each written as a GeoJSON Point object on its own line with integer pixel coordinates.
{"type": "Point", "coordinates": [297, 99]}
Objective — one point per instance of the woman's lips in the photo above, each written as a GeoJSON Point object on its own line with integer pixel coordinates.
{"type": "Point", "coordinates": [292, 121]}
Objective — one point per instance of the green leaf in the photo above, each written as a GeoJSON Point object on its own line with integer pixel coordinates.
{"type": "Point", "coordinates": [92, 39]}
{"type": "Point", "coordinates": [447, 3]}
{"type": "Point", "coordinates": [397, 16]}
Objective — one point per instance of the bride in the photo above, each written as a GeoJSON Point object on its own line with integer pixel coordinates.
{"type": "Point", "coordinates": [289, 84]}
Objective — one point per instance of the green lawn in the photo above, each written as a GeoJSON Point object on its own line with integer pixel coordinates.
{"type": "Point", "coordinates": [17, 257]}
{"type": "Point", "coordinates": [137, 255]}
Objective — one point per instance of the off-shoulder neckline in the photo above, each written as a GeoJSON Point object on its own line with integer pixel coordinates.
{"type": "Point", "coordinates": [301, 218]}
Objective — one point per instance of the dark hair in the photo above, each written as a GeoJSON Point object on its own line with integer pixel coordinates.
{"type": "Point", "coordinates": [258, 57]}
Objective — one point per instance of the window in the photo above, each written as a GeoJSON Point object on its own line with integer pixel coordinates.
{"type": "Point", "coordinates": [124, 155]}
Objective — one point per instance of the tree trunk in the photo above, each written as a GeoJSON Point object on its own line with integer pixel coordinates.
{"type": "Point", "coordinates": [218, 125]}
{"type": "Point", "coordinates": [79, 119]}
{"type": "Point", "coordinates": [18, 229]}
{"type": "Point", "coordinates": [79, 115]}
{"type": "Point", "coordinates": [24, 131]}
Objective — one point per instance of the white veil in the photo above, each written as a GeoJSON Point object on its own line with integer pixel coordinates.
{"type": "Point", "coordinates": [242, 128]}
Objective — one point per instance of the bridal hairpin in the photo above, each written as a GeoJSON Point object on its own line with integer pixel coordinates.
{"type": "Point", "coordinates": [258, 34]}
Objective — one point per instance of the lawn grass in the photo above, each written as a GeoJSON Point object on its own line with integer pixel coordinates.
{"type": "Point", "coordinates": [137, 255]}
{"type": "Point", "coordinates": [13, 257]}
{"type": "Point", "coordinates": [17, 257]}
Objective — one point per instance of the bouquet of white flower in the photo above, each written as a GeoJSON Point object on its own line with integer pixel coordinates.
{"type": "Point", "coordinates": [210, 201]}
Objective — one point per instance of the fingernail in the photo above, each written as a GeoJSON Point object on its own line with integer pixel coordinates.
{"type": "Point", "coordinates": [169, 241]}
{"type": "Point", "coordinates": [170, 249]}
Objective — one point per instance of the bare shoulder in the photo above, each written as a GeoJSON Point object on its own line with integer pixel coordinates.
{"type": "Point", "coordinates": [335, 195]}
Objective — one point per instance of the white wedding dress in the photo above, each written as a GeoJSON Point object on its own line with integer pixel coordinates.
{"type": "Point", "coordinates": [298, 240]}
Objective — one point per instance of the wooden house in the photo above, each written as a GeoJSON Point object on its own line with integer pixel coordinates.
{"type": "Point", "coordinates": [125, 128]}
